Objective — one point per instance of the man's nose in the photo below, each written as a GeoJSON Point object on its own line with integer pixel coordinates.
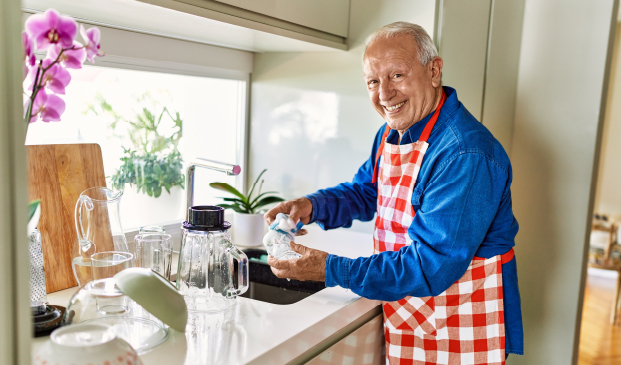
{"type": "Point", "coordinates": [386, 91]}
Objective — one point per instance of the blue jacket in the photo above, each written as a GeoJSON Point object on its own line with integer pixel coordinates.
{"type": "Point", "coordinates": [462, 200]}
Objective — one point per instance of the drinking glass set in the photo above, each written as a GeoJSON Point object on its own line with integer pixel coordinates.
{"type": "Point", "coordinates": [211, 273]}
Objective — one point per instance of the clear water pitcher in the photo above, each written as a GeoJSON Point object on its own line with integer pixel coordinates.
{"type": "Point", "coordinates": [205, 274]}
{"type": "Point", "coordinates": [98, 224]}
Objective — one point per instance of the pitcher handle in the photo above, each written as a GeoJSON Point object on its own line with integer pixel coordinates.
{"type": "Point", "coordinates": [242, 271]}
{"type": "Point", "coordinates": [84, 243]}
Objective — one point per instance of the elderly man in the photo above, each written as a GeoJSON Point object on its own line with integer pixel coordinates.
{"type": "Point", "coordinates": [444, 233]}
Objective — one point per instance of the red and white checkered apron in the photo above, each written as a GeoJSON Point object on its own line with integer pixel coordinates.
{"type": "Point", "coordinates": [463, 325]}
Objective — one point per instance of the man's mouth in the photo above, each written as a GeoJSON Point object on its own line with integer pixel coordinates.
{"type": "Point", "coordinates": [394, 107]}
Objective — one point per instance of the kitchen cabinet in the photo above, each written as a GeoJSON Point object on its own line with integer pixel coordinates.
{"type": "Point", "coordinates": [363, 346]}
{"type": "Point", "coordinates": [330, 16]}
{"type": "Point", "coordinates": [320, 22]}
{"type": "Point", "coordinates": [262, 26]}
{"type": "Point", "coordinates": [465, 53]}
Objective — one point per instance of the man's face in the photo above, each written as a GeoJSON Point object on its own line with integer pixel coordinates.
{"type": "Point", "coordinates": [401, 89]}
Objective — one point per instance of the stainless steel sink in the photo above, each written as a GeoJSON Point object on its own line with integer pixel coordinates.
{"type": "Point", "coordinates": [266, 287]}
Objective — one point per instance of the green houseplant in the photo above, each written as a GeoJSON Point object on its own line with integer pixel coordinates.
{"type": "Point", "coordinates": [153, 163]}
{"type": "Point", "coordinates": [249, 227]}
{"type": "Point", "coordinates": [245, 203]}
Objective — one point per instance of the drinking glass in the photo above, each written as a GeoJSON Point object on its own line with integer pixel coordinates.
{"type": "Point", "coordinates": [151, 229]}
{"type": "Point", "coordinates": [154, 251]}
{"type": "Point", "coordinates": [108, 263]}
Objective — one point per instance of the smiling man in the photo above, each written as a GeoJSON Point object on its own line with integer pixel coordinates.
{"type": "Point", "coordinates": [440, 183]}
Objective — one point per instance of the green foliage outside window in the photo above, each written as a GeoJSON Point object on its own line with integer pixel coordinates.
{"type": "Point", "coordinates": [153, 163]}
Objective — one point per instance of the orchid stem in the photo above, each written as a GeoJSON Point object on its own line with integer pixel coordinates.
{"type": "Point", "coordinates": [35, 90]}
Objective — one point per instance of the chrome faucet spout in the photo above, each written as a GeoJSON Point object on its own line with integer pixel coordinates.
{"type": "Point", "coordinates": [228, 169]}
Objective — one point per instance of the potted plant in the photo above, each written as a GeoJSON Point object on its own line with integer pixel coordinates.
{"type": "Point", "coordinates": [249, 225]}
{"type": "Point", "coordinates": [151, 163]}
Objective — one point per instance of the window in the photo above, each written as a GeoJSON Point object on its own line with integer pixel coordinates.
{"type": "Point", "coordinates": [132, 110]}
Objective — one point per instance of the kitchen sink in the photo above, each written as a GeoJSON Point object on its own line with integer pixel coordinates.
{"type": "Point", "coordinates": [266, 287]}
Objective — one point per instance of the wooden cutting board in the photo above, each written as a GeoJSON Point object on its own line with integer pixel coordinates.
{"type": "Point", "coordinates": [57, 174]}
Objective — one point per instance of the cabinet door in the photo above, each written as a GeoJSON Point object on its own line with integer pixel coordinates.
{"type": "Point", "coordinates": [464, 52]}
{"type": "Point", "coordinates": [330, 16]}
{"type": "Point", "coordinates": [363, 346]}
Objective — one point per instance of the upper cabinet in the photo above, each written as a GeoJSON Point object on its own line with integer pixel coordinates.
{"type": "Point", "coordinates": [330, 16]}
{"type": "Point", "coordinates": [319, 22]}
{"type": "Point", "coordinates": [250, 25]}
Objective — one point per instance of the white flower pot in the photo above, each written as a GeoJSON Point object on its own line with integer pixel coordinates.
{"type": "Point", "coordinates": [248, 229]}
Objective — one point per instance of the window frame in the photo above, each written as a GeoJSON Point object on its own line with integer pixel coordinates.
{"type": "Point", "coordinates": [205, 67]}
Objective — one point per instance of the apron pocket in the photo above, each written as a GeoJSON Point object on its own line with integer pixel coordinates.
{"type": "Point", "coordinates": [412, 314]}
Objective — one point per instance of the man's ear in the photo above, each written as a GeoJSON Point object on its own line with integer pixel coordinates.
{"type": "Point", "coordinates": [435, 68]}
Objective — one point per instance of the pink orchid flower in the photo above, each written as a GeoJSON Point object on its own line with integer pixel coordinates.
{"type": "Point", "coordinates": [29, 57]}
{"type": "Point", "coordinates": [91, 38]}
{"type": "Point", "coordinates": [71, 57]}
{"type": "Point", "coordinates": [47, 107]}
{"type": "Point", "coordinates": [56, 78]}
{"type": "Point", "coordinates": [51, 28]}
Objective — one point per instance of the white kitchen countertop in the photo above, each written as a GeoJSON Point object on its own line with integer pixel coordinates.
{"type": "Point", "coordinates": [255, 332]}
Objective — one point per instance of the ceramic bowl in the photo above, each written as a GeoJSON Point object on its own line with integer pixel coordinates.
{"type": "Point", "coordinates": [85, 344]}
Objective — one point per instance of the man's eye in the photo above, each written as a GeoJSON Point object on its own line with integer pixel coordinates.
{"type": "Point", "coordinates": [397, 75]}
{"type": "Point", "coordinates": [372, 82]}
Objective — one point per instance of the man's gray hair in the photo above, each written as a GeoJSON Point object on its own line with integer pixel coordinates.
{"type": "Point", "coordinates": [426, 48]}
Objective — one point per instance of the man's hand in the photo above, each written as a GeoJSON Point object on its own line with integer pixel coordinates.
{"type": "Point", "coordinates": [298, 209]}
{"type": "Point", "coordinates": [311, 266]}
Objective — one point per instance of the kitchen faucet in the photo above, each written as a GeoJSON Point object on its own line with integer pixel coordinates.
{"type": "Point", "coordinates": [229, 169]}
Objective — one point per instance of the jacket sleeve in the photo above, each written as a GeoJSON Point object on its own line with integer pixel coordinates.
{"type": "Point", "coordinates": [338, 206]}
{"type": "Point", "coordinates": [458, 206]}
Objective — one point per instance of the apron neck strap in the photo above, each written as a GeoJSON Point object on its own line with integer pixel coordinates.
{"type": "Point", "coordinates": [434, 118]}
{"type": "Point", "coordinates": [423, 137]}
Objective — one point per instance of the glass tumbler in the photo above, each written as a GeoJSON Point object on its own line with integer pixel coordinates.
{"type": "Point", "coordinates": [108, 263]}
{"type": "Point", "coordinates": [151, 229]}
{"type": "Point", "coordinates": [154, 251]}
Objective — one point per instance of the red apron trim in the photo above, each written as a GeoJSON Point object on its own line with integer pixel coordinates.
{"type": "Point", "coordinates": [504, 258]}
{"type": "Point", "coordinates": [378, 153]}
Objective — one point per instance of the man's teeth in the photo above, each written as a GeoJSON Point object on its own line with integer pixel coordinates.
{"type": "Point", "coordinates": [395, 107]}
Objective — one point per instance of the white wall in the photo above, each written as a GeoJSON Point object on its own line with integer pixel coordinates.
{"type": "Point", "coordinates": [312, 124]}
{"type": "Point", "coordinates": [608, 197]}
{"type": "Point", "coordinates": [560, 84]}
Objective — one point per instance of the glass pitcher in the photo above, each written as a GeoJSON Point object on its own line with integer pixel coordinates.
{"type": "Point", "coordinates": [98, 224]}
{"type": "Point", "coordinates": [205, 274]}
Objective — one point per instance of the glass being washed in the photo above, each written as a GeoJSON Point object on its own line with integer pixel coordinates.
{"type": "Point", "coordinates": [276, 240]}
{"type": "Point", "coordinates": [98, 224]}
{"type": "Point", "coordinates": [205, 274]}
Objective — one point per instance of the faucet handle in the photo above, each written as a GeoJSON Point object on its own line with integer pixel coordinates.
{"type": "Point", "coordinates": [229, 169]}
